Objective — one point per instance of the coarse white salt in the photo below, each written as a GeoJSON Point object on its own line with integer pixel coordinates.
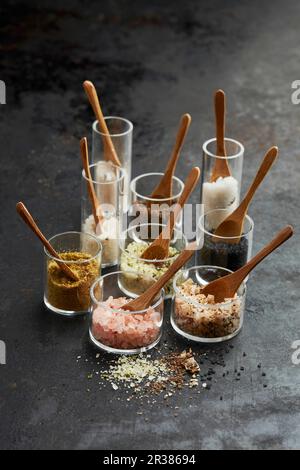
{"type": "Point", "coordinates": [107, 234]}
{"type": "Point", "coordinates": [220, 194]}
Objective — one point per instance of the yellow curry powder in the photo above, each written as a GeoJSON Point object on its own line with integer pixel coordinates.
{"type": "Point", "coordinates": [64, 293]}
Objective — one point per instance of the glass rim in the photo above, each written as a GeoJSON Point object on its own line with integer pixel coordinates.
{"type": "Point", "coordinates": [128, 312]}
{"type": "Point", "coordinates": [99, 183]}
{"type": "Point", "coordinates": [193, 302]}
{"type": "Point", "coordinates": [150, 261]}
{"type": "Point", "coordinates": [119, 134]}
{"type": "Point", "coordinates": [228, 157]}
{"type": "Point", "coordinates": [147, 198]}
{"type": "Point", "coordinates": [204, 230]}
{"type": "Point", "coordinates": [84, 261]}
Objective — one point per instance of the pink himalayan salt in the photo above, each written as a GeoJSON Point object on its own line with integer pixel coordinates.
{"type": "Point", "coordinates": [124, 330]}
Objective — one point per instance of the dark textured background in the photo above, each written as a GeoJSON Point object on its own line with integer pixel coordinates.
{"type": "Point", "coordinates": [150, 63]}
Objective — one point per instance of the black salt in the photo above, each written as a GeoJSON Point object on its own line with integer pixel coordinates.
{"type": "Point", "coordinates": [227, 255]}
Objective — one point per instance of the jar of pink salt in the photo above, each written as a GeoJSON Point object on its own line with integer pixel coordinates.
{"type": "Point", "coordinates": [121, 331]}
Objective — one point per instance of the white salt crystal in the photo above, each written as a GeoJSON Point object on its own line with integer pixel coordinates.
{"type": "Point", "coordinates": [107, 234]}
{"type": "Point", "coordinates": [220, 194]}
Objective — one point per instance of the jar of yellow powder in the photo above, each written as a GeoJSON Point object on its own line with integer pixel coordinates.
{"type": "Point", "coordinates": [82, 253]}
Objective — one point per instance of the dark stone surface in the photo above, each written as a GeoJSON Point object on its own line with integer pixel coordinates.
{"type": "Point", "coordinates": [150, 63]}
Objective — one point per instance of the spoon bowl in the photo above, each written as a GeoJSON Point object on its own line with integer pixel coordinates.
{"type": "Point", "coordinates": [159, 249]}
{"type": "Point", "coordinates": [232, 226]}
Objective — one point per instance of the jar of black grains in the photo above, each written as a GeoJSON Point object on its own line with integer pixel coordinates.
{"type": "Point", "coordinates": [229, 252]}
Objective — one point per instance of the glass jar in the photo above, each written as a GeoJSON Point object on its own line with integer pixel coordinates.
{"type": "Point", "coordinates": [142, 273]}
{"type": "Point", "coordinates": [108, 181]}
{"type": "Point", "coordinates": [152, 210]}
{"type": "Point", "coordinates": [205, 322]}
{"type": "Point", "coordinates": [227, 252]}
{"type": "Point", "coordinates": [224, 193]}
{"type": "Point", "coordinates": [82, 253]}
{"type": "Point", "coordinates": [119, 331]}
{"type": "Point", "coordinates": [120, 132]}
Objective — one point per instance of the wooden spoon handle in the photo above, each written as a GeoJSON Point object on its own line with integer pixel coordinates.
{"type": "Point", "coordinates": [96, 208]}
{"type": "Point", "coordinates": [220, 168]}
{"type": "Point", "coordinates": [181, 134]}
{"type": "Point", "coordinates": [165, 184]}
{"type": "Point", "coordinates": [220, 122]}
{"type": "Point", "coordinates": [94, 101]}
{"type": "Point", "coordinates": [144, 300]}
{"type": "Point", "coordinates": [266, 164]}
{"type": "Point", "coordinates": [189, 187]}
{"type": "Point", "coordinates": [28, 219]}
{"type": "Point", "coordinates": [238, 276]}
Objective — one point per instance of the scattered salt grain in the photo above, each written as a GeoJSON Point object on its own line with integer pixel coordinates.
{"type": "Point", "coordinates": [193, 383]}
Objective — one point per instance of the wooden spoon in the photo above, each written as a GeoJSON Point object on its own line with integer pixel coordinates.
{"type": "Point", "coordinates": [164, 188]}
{"type": "Point", "coordinates": [159, 248]}
{"type": "Point", "coordinates": [221, 168]}
{"type": "Point", "coordinates": [232, 226]}
{"type": "Point", "coordinates": [226, 287]}
{"type": "Point", "coordinates": [28, 219]}
{"type": "Point", "coordinates": [96, 208]}
{"type": "Point", "coordinates": [143, 301]}
{"type": "Point", "coordinates": [110, 151]}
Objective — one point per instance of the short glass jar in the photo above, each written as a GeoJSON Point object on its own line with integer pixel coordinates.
{"type": "Point", "coordinates": [152, 210]}
{"type": "Point", "coordinates": [142, 273]}
{"type": "Point", "coordinates": [227, 252]}
{"type": "Point", "coordinates": [116, 330]}
{"type": "Point", "coordinates": [205, 322]}
{"type": "Point", "coordinates": [108, 181]}
{"type": "Point", "coordinates": [224, 193]}
{"type": "Point", "coordinates": [82, 253]}
{"type": "Point", "coordinates": [120, 131]}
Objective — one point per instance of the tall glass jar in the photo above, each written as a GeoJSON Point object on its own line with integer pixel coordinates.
{"type": "Point", "coordinates": [120, 132]}
{"type": "Point", "coordinates": [224, 193]}
{"type": "Point", "coordinates": [109, 182]}
{"type": "Point", "coordinates": [148, 209]}
{"type": "Point", "coordinates": [82, 253]}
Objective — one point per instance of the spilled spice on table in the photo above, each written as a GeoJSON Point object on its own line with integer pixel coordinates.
{"type": "Point", "coordinates": [140, 373]}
